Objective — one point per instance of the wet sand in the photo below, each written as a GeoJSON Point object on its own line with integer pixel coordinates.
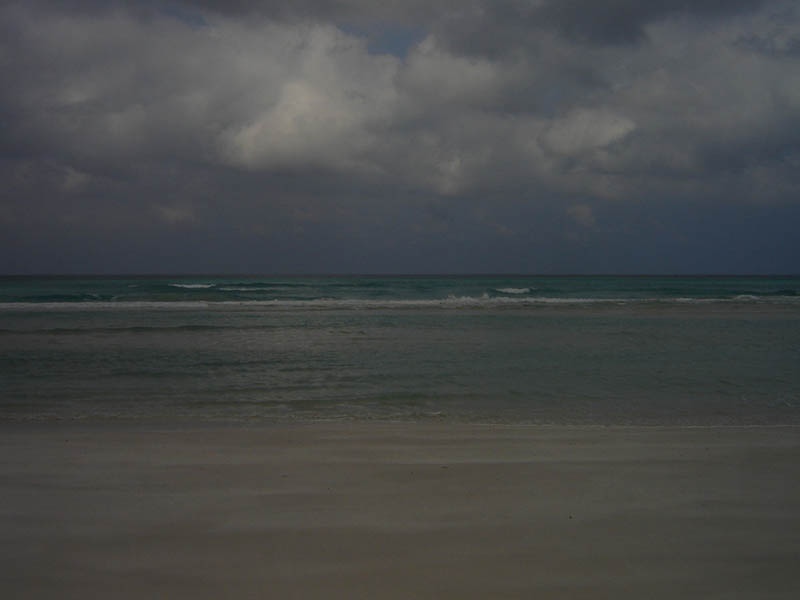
{"type": "Point", "coordinates": [399, 511]}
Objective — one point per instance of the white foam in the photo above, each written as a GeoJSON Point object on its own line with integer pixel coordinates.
{"type": "Point", "coordinates": [451, 302]}
{"type": "Point", "coordinates": [484, 301]}
{"type": "Point", "coordinates": [510, 290]}
{"type": "Point", "coordinates": [192, 286]}
{"type": "Point", "coordinates": [696, 300]}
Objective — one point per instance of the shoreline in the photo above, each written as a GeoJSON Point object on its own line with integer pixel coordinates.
{"type": "Point", "coordinates": [399, 510]}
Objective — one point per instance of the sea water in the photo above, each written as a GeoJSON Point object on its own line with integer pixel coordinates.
{"type": "Point", "coordinates": [563, 350]}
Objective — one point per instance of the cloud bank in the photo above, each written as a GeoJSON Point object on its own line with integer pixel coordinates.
{"type": "Point", "coordinates": [446, 136]}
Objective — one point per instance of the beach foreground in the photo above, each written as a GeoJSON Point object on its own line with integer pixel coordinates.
{"type": "Point", "coordinates": [369, 510]}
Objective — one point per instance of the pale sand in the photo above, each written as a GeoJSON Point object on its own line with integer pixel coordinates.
{"type": "Point", "coordinates": [400, 511]}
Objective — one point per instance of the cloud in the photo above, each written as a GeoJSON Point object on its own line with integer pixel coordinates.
{"type": "Point", "coordinates": [584, 130]}
{"type": "Point", "coordinates": [252, 114]}
{"type": "Point", "coordinates": [626, 21]}
{"type": "Point", "coordinates": [175, 215]}
{"type": "Point", "coordinates": [268, 95]}
{"type": "Point", "coordinates": [325, 111]}
{"type": "Point", "coordinates": [582, 214]}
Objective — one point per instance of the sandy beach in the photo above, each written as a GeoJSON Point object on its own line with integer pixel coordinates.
{"type": "Point", "coordinates": [372, 510]}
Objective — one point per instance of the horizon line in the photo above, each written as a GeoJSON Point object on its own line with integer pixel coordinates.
{"type": "Point", "coordinates": [395, 275]}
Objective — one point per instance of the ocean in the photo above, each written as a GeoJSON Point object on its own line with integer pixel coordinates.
{"type": "Point", "coordinates": [497, 349]}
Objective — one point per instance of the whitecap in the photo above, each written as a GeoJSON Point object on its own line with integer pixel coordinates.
{"type": "Point", "coordinates": [192, 286]}
{"type": "Point", "coordinates": [511, 290]}
{"type": "Point", "coordinates": [451, 302]}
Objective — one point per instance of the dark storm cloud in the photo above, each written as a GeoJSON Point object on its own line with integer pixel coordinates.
{"type": "Point", "coordinates": [369, 136]}
{"type": "Point", "coordinates": [623, 21]}
{"type": "Point", "coordinates": [611, 21]}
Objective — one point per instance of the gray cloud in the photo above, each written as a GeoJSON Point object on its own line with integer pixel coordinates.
{"type": "Point", "coordinates": [624, 21]}
{"type": "Point", "coordinates": [501, 126]}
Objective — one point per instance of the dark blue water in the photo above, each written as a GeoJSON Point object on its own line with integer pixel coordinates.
{"type": "Point", "coordinates": [604, 350]}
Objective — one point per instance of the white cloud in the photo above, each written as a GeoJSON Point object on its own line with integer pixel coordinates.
{"type": "Point", "coordinates": [324, 111]}
{"type": "Point", "coordinates": [586, 129]}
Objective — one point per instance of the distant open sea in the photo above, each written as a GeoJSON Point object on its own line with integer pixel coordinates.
{"type": "Point", "coordinates": [499, 349]}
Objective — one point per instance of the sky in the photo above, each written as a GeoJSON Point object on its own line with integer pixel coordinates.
{"type": "Point", "coordinates": [425, 136]}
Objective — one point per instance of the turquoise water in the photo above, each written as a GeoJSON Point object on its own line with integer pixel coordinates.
{"type": "Point", "coordinates": [604, 350]}
{"type": "Point", "coordinates": [391, 292]}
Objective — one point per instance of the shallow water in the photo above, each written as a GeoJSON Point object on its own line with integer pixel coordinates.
{"type": "Point", "coordinates": [543, 350]}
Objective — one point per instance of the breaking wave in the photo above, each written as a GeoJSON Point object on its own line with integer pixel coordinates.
{"type": "Point", "coordinates": [451, 302]}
